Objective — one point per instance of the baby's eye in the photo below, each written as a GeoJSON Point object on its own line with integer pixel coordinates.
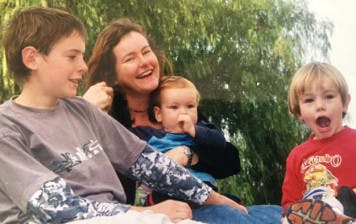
{"type": "Point", "coordinates": [190, 106]}
{"type": "Point", "coordinates": [174, 107]}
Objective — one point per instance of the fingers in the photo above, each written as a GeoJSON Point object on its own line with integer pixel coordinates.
{"type": "Point", "coordinates": [101, 95]}
{"type": "Point", "coordinates": [175, 210]}
{"type": "Point", "coordinates": [182, 212]}
{"type": "Point", "coordinates": [241, 208]}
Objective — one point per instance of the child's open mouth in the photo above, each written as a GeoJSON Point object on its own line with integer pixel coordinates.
{"type": "Point", "coordinates": [323, 122]}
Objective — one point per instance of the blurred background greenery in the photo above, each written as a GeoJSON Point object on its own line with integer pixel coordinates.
{"type": "Point", "coordinates": [241, 55]}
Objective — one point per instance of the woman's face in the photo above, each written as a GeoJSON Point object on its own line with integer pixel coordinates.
{"type": "Point", "coordinates": [137, 67]}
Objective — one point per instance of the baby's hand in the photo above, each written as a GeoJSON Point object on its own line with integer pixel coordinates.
{"type": "Point", "coordinates": [186, 124]}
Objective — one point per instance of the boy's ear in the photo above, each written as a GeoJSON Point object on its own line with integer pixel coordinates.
{"type": "Point", "coordinates": [347, 102]}
{"type": "Point", "coordinates": [158, 114]}
{"type": "Point", "coordinates": [29, 55]}
{"type": "Point", "coordinates": [300, 118]}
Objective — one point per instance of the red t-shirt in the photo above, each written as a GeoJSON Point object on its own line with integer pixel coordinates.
{"type": "Point", "coordinates": [329, 162]}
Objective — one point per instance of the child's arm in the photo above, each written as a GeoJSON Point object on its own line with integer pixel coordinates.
{"type": "Point", "coordinates": [55, 202]}
{"type": "Point", "coordinates": [209, 136]}
{"type": "Point", "coordinates": [204, 134]}
{"type": "Point", "coordinates": [164, 175]}
{"type": "Point", "coordinates": [217, 156]}
{"type": "Point", "coordinates": [292, 187]}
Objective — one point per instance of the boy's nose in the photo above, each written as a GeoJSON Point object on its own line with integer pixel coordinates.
{"type": "Point", "coordinates": [320, 104]}
{"type": "Point", "coordinates": [83, 67]}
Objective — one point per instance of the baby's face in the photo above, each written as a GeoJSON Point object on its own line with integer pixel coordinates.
{"type": "Point", "coordinates": [178, 107]}
{"type": "Point", "coordinates": [321, 109]}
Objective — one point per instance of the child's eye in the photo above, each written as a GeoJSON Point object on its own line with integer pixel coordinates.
{"type": "Point", "coordinates": [329, 96]}
{"type": "Point", "coordinates": [308, 100]}
{"type": "Point", "coordinates": [173, 107]}
{"type": "Point", "coordinates": [190, 106]}
{"type": "Point", "coordinates": [72, 57]}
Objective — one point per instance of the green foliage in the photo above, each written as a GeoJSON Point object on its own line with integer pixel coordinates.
{"type": "Point", "coordinates": [241, 55]}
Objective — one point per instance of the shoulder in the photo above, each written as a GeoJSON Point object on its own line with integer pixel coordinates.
{"type": "Point", "coordinates": [8, 121]}
{"type": "Point", "coordinates": [298, 151]}
{"type": "Point", "coordinates": [4, 107]}
{"type": "Point", "coordinates": [78, 102]}
{"type": "Point", "coordinates": [7, 113]}
{"type": "Point", "coordinates": [79, 105]}
{"type": "Point", "coordinates": [349, 131]}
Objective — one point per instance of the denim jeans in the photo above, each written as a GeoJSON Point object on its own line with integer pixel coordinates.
{"type": "Point", "coordinates": [224, 214]}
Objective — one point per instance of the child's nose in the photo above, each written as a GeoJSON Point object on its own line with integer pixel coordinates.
{"type": "Point", "coordinates": [82, 67]}
{"type": "Point", "coordinates": [320, 104]}
{"type": "Point", "coordinates": [183, 110]}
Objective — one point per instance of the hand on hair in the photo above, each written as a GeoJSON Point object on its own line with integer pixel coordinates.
{"type": "Point", "coordinates": [100, 95]}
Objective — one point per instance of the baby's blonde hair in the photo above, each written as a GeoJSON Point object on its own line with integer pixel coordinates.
{"type": "Point", "coordinates": [172, 82]}
{"type": "Point", "coordinates": [308, 75]}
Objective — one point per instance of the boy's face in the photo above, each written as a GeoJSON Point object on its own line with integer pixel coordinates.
{"type": "Point", "coordinates": [58, 74]}
{"type": "Point", "coordinates": [178, 106]}
{"type": "Point", "coordinates": [321, 109]}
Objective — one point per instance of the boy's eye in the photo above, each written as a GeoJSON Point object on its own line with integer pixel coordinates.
{"type": "Point", "coordinates": [329, 96]}
{"type": "Point", "coordinates": [308, 100]}
{"type": "Point", "coordinates": [190, 106]}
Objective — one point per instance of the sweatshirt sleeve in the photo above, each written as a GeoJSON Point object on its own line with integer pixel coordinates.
{"type": "Point", "coordinates": [164, 175]}
{"type": "Point", "coordinates": [55, 202]}
{"type": "Point", "coordinates": [216, 156]}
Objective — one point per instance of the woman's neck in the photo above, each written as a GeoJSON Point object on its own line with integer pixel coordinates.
{"type": "Point", "coordinates": [137, 104]}
{"type": "Point", "coordinates": [138, 107]}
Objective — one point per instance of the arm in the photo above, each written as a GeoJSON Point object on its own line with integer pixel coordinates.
{"type": "Point", "coordinates": [55, 202]}
{"type": "Point", "coordinates": [209, 137]}
{"type": "Point", "coordinates": [166, 176]}
{"type": "Point", "coordinates": [216, 156]}
{"type": "Point", "coordinates": [292, 186]}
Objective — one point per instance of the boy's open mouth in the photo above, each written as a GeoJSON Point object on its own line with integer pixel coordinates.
{"type": "Point", "coordinates": [323, 122]}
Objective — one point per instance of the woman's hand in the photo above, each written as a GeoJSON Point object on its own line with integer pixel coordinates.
{"type": "Point", "coordinates": [218, 199]}
{"type": "Point", "coordinates": [100, 95]}
{"type": "Point", "coordinates": [177, 154]}
{"type": "Point", "coordinates": [175, 210]}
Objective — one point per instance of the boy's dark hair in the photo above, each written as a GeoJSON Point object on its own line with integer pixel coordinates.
{"type": "Point", "coordinates": [40, 28]}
